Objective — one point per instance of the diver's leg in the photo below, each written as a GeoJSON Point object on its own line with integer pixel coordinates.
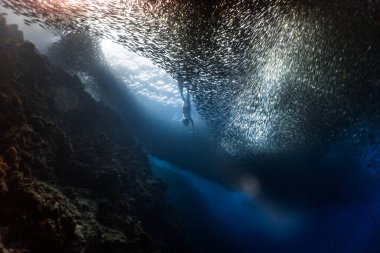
{"type": "Point", "coordinates": [180, 87]}
{"type": "Point", "coordinates": [188, 99]}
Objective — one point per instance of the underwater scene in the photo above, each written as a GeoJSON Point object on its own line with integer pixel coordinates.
{"type": "Point", "coordinates": [190, 126]}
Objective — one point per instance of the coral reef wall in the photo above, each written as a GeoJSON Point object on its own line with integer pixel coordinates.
{"type": "Point", "coordinates": [72, 178]}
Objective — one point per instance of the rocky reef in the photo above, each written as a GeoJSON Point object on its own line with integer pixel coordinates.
{"type": "Point", "coordinates": [10, 31]}
{"type": "Point", "coordinates": [72, 178]}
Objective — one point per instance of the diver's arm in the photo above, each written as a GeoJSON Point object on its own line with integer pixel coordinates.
{"type": "Point", "coordinates": [192, 124]}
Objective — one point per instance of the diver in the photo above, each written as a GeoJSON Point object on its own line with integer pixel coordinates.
{"type": "Point", "coordinates": [180, 87]}
{"type": "Point", "coordinates": [186, 111]}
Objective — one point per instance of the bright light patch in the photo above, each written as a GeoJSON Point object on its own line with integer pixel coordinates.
{"type": "Point", "coordinates": [140, 75]}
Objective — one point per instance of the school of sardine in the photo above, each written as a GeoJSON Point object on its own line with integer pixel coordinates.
{"type": "Point", "coordinates": [268, 76]}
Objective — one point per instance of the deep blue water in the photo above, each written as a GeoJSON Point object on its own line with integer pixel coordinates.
{"type": "Point", "coordinates": [222, 220]}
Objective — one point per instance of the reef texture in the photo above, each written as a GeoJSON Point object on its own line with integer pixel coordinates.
{"type": "Point", "coordinates": [72, 178]}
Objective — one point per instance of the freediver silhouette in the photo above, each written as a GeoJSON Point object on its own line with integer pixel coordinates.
{"type": "Point", "coordinates": [186, 107]}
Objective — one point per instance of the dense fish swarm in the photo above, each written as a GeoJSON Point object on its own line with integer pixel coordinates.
{"type": "Point", "coordinates": [267, 76]}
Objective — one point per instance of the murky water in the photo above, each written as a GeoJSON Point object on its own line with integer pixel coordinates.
{"type": "Point", "coordinates": [228, 221]}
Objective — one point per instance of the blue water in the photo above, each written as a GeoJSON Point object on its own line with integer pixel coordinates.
{"type": "Point", "coordinates": [223, 220]}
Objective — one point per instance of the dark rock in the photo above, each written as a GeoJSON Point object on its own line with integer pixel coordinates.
{"type": "Point", "coordinates": [72, 178]}
{"type": "Point", "coordinates": [10, 31]}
